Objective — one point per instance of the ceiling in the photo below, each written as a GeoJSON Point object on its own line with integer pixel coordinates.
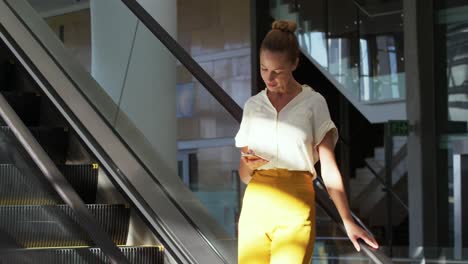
{"type": "Point", "coordinates": [48, 8]}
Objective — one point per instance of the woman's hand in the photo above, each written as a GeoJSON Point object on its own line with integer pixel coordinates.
{"type": "Point", "coordinates": [254, 163]}
{"type": "Point", "coordinates": [355, 232]}
{"type": "Point", "coordinates": [248, 164]}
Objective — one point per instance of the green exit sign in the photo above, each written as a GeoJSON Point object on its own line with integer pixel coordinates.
{"type": "Point", "coordinates": [398, 127]}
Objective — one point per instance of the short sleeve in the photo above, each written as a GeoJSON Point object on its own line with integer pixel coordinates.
{"type": "Point", "coordinates": [242, 135]}
{"type": "Point", "coordinates": [322, 122]}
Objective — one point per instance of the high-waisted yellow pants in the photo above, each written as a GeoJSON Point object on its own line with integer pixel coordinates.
{"type": "Point", "coordinates": [277, 221]}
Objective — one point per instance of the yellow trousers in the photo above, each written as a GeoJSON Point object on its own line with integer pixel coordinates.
{"type": "Point", "coordinates": [277, 221]}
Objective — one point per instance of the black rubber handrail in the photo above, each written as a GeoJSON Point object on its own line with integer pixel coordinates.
{"type": "Point", "coordinates": [185, 59]}
{"type": "Point", "coordinates": [56, 179]}
{"type": "Point", "coordinates": [325, 202]}
{"type": "Point", "coordinates": [220, 95]}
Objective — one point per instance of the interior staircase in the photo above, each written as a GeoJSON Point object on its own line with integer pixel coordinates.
{"type": "Point", "coordinates": [368, 193]}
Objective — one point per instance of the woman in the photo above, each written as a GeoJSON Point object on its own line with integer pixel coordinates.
{"type": "Point", "coordinates": [285, 130]}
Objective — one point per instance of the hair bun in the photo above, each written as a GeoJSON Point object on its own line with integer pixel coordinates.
{"type": "Point", "coordinates": [285, 26]}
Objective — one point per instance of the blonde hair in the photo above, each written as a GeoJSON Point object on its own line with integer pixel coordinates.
{"type": "Point", "coordinates": [281, 38]}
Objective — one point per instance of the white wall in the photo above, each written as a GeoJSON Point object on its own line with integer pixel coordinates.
{"type": "Point", "coordinates": [148, 96]}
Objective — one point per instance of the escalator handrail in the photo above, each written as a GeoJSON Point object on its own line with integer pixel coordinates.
{"type": "Point", "coordinates": [63, 188]}
{"type": "Point", "coordinates": [323, 199]}
{"type": "Point", "coordinates": [185, 59]}
{"type": "Point", "coordinates": [221, 96]}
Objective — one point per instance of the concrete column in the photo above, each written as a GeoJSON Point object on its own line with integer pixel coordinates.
{"type": "Point", "coordinates": [424, 183]}
{"type": "Point", "coordinates": [138, 72]}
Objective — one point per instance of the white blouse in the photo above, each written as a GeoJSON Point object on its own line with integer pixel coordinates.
{"type": "Point", "coordinates": [288, 139]}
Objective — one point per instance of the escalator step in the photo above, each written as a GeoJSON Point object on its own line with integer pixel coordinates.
{"type": "Point", "coordinates": [7, 74]}
{"type": "Point", "coordinates": [137, 255]}
{"type": "Point", "coordinates": [54, 140]}
{"type": "Point", "coordinates": [56, 225]}
{"type": "Point", "coordinates": [25, 189]}
{"type": "Point", "coordinates": [83, 178]}
{"type": "Point", "coordinates": [26, 105]}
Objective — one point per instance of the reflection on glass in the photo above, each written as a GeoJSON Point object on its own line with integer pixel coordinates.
{"type": "Point", "coordinates": [341, 66]}
{"type": "Point", "coordinates": [456, 34]}
{"type": "Point", "coordinates": [315, 44]}
{"type": "Point", "coordinates": [319, 51]}
{"type": "Point", "coordinates": [211, 174]}
{"type": "Point", "coordinates": [365, 71]}
{"type": "Point", "coordinates": [381, 41]}
{"type": "Point", "coordinates": [386, 68]}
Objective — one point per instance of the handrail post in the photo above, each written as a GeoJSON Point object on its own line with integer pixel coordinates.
{"type": "Point", "coordinates": [460, 199]}
{"type": "Point", "coordinates": [392, 128]}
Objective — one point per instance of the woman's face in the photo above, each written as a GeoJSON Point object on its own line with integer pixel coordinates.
{"type": "Point", "coordinates": [276, 70]}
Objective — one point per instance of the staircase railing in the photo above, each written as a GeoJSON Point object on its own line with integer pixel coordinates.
{"type": "Point", "coordinates": [372, 15]}
{"type": "Point", "coordinates": [379, 175]}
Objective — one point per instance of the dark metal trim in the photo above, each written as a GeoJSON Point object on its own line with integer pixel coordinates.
{"type": "Point", "coordinates": [59, 183]}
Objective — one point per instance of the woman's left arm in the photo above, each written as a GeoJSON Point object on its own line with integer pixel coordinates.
{"type": "Point", "coordinates": [334, 183]}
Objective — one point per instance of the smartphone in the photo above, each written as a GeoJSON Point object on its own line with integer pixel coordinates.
{"type": "Point", "coordinates": [252, 156]}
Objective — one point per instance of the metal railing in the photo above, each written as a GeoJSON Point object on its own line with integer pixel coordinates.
{"type": "Point", "coordinates": [379, 175]}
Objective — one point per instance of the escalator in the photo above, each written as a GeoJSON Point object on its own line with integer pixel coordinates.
{"type": "Point", "coordinates": [42, 227]}
{"type": "Point", "coordinates": [84, 160]}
